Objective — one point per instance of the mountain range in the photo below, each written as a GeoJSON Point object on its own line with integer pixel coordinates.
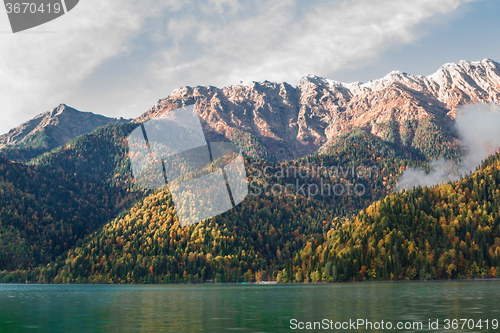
{"type": "Point", "coordinates": [291, 122]}
{"type": "Point", "coordinates": [71, 212]}
{"type": "Point", "coordinates": [280, 122]}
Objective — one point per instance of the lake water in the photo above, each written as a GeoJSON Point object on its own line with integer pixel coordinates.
{"type": "Point", "coordinates": [248, 308]}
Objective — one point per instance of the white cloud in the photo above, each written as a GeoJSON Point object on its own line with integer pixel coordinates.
{"type": "Point", "coordinates": [38, 67]}
{"type": "Point", "coordinates": [193, 42]}
{"type": "Point", "coordinates": [277, 43]}
{"type": "Point", "coordinates": [477, 127]}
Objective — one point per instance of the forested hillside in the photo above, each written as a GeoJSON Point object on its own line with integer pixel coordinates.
{"type": "Point", "coordinates": [63, 196]}
{"type": "Point", "coordinates": [249, 243]}
{"type": "Point", "coordinates": [299, 235]}
{"type": "Point", "coordinates": [448, 231]}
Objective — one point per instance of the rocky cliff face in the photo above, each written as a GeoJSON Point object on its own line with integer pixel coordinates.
{"type": "Point", "coordinates": [294, 121]}
{"type": "Point", "coordinates": [52, 129]}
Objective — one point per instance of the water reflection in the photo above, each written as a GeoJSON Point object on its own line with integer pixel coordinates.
{"type": "Point", "coordinates": [248, 308]}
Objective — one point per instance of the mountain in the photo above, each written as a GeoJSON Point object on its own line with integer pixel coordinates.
{"type": "Point", "coordinates": [291, 122]}
{"type": "Point", "coordinates": [276, 121]}
{"type": "Point", "coordinates": [444, 232]}
{"type": "Point", "coordinates": [146, 244]}
{"type": "Point", "coordinates": [50, 130]}
{"type": "Point", "coordinates": [61, 207]}
{"type": "Point", "coordinates": [61, 197]}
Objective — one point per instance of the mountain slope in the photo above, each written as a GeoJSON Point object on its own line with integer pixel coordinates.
{"type": "Point", "coordinates": [295, 121]}
{"type": "Point", "coordinates": [50, 130]}
{"type": "Point", "coordinates": [63, 196]}
{"type": "Point", "coordinates": [447, 231]}
{"type": "Point", "coordinates": [250, 242]}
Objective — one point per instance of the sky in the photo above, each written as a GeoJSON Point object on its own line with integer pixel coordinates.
{"type": "Point", "coordinates": [117, 58]}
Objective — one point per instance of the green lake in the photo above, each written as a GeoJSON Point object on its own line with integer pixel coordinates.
{"type": "Point", "coordinates": [474, 305]}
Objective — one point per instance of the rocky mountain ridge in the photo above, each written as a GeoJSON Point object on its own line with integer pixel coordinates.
{"type": "Point", "coordinates": [295, 121]}
{"type": "Point", "coordinates": [51, 129]}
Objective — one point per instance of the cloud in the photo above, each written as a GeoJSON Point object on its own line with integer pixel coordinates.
{"type": "Point", "coordinates": [38, 67]}
{"type": "Point", "coordinates": [158, 46]}
{"type": "Point", "coordinates": [285, 40]}
{"type": "Point", "coordinates": [477, 127]}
